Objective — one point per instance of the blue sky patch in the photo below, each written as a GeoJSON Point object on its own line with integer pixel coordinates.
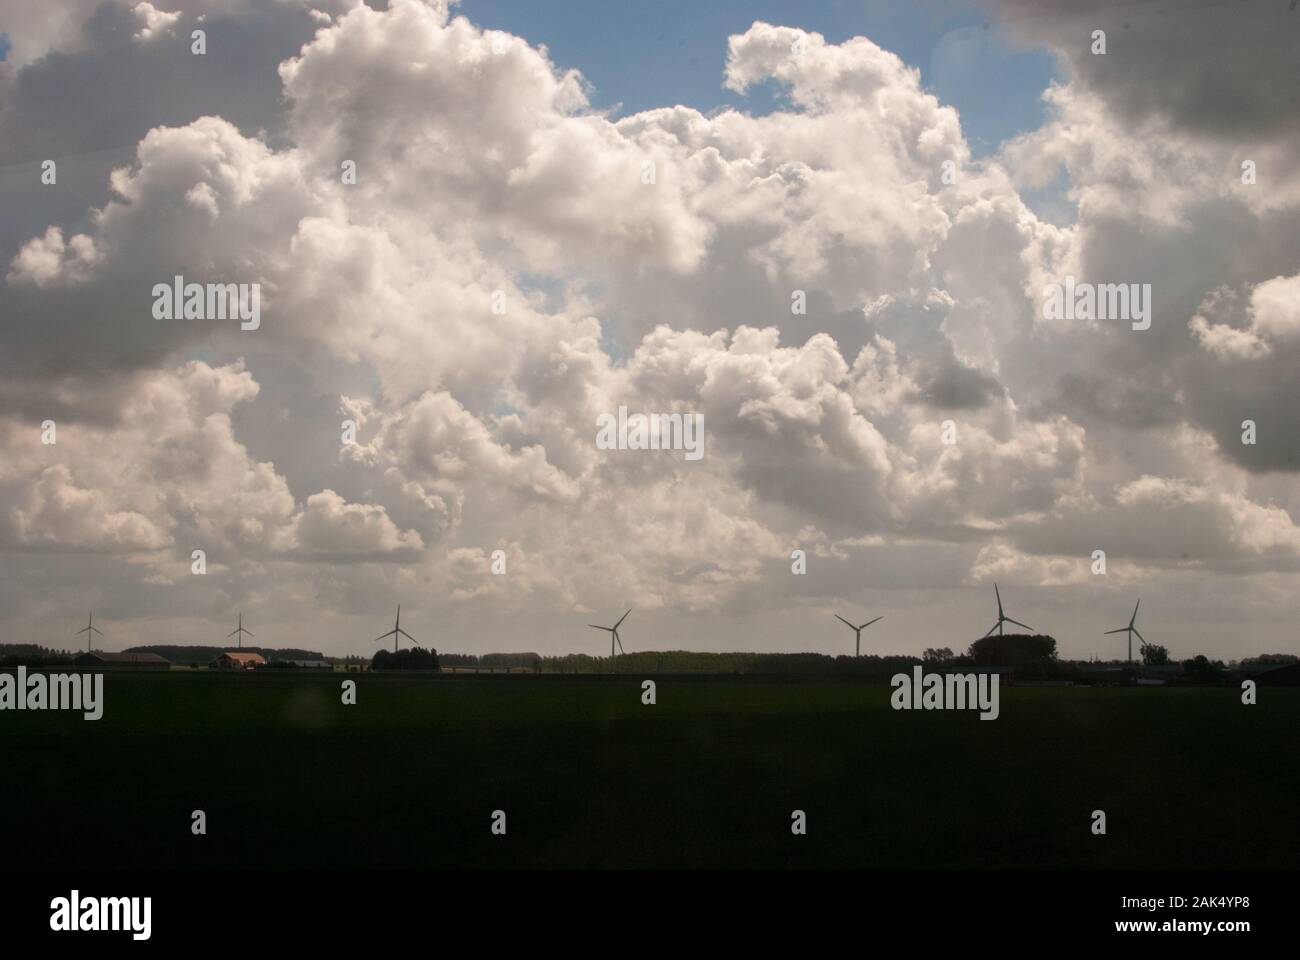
{"type": "Point", "coordinates": [671, 52]}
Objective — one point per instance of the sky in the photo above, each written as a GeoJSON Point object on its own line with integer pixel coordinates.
{"type": "Point", "coordinates": [832, 230]}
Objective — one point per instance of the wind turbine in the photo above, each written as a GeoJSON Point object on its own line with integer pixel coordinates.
{"type": "Point", "coordinates": [1002, 617]}
{"type": "Point", "coordinates": [613, 632]}
{"type": "Point", "coordinates": [1130, 630]}
{"type": "Point", "coordinates": [396, 631]}
{"type": "Point", "coordinates": [240, 631]}
{"type": "Point", "coordinates": [857, 632]}
{"type": "Point", "coordinates": [88, 630]}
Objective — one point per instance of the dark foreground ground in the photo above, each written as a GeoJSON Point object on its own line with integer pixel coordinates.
{"type": "Point", "coordinates": [589, 777]}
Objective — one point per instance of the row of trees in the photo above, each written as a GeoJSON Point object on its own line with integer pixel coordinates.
{"type": "Point", "coordinates": [496, 661]}
{"type": "Point", "coordinates": [686, 661]}
{"type": "Point", "coordinates": [32, 655]}
{"type": "Point", "coordinates": [1031, 656]}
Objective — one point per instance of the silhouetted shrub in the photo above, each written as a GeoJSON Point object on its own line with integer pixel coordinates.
{"type": "Point", "coordinates": [1154, 655]}
{"type": "Point", "coordinates": [1013, 650]}
{"type": "Point", "coordinates": [416, 658]}
{"type": "Point", "coordinates": [1201, 669]}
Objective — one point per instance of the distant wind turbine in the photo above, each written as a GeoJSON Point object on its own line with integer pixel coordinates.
{"type": "Point", "coordinates": [88, 630]}
{"type": "Point", "coordinates": [1002, 617]}
{"type": "Point", "coordinates": [396, 631]}
{"type": "Point", "coordinates": [857, 632]}
{"type": "Point", "coordinates": [239, 631]}
{"type": "Point", "coordinates": [613, 632]}
{"type": "Point", "coordinates": [1130, 630]}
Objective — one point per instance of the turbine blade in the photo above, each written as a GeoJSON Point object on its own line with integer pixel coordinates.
{"type": "Point", "coordinates": [599, 627]}
{"type": "Point", "coordinates": [870, 622]}
{"type": "Point", "coordinates": [999, 596]}
{"type": "Point", "coordinates": [82, 630]}
{"type": "Point", "coordinates": [1018, 623]}
{"type": "Point", "coordinates": [1140, 637]}
{"type": "Point", "coordinates": [1120, 630]}
{"type": "Point", "coordinates": [842, 620]}
{"type": "Point", "coordinates": [384, 636]}
{"type": "Point", "coordinates": [251, 634]}
{"type": "Point", "coordinates": [402, 632]}
{"type": "Point", "coordinates": [622, 618]}
{"type": "Point", "coordinates": [231, 634]}
{"type": "Point", "coordinates": [1133, 619]}
{"type": "Point", "coordinates": [992, 628]}
{"type": "Point", "coordinates": [98, 631]}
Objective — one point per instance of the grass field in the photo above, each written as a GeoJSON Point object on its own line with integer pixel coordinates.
{"type": "Point", "coordinates": [590, 777]}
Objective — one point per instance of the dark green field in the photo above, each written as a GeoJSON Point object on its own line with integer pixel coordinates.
{"type": "Point", "coordinates": [589, 777]}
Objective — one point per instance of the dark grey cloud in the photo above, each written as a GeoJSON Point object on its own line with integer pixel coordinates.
{"type": "Point", "coordinates": [114, 88]}
{"type": "Point", "coordinates": [949, 384]}
{"type": "Point", "coordinates": [1221, 69]}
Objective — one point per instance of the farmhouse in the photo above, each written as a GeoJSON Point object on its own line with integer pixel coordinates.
{"type": "Point", "coordinates": [238, 660]}
{"type": "Point", "coordinates": [99, 660]}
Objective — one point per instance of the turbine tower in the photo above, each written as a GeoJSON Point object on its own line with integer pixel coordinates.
{"type": "Point", "coordinates": [239, 632]}
{"type": "Point", "coordinates": [89, 630]}
{"type": "Point", "coordinates": [857, 632]}
{"type": "Point", "coordinates": [396, 631]}
{"type": "Point", "coordinates": [613, 633]}
{"type": "Point", "coordinates": [1130, 630]}
{"type": "Point", "coordinates": [1002, 617]}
